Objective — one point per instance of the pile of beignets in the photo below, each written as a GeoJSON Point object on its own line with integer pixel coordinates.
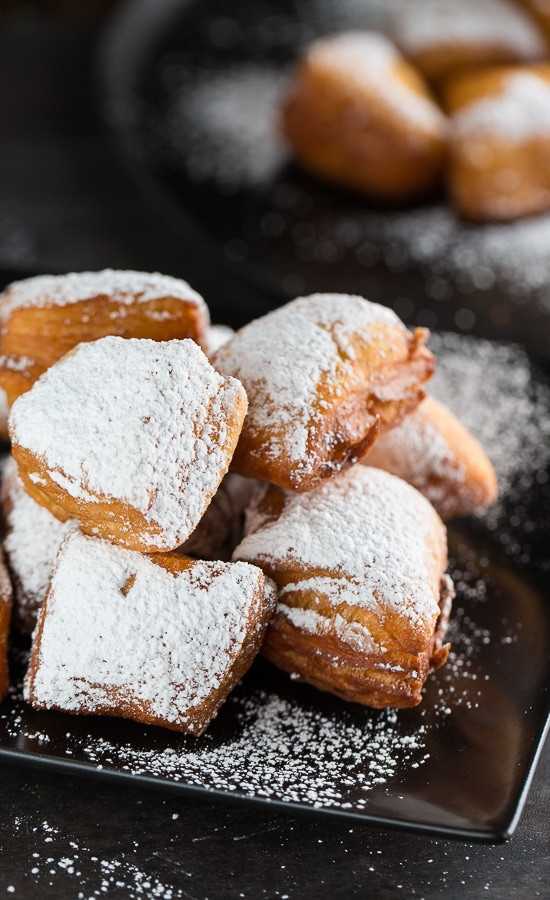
{"type": "Point", "coordinates": [455, 94]}
{"type": "Point", "coordinates": [180, 497]}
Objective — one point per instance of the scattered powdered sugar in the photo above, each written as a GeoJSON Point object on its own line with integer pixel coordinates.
{"type": "Point", "coordinates": [495, 392]}
{"type": "Point", "coordinates": [427, 24]}
{"type": "Point", "coordinates": [119, 627]}
{"type": "Point", "coordinates": [162, 448]}
{"type": "Point", "coordinates": [375, 542]}
{"type": "Point", "coordinates": [234, 115]}
{"type": "Point", "coordinates": [32, 537]}
{"type": "Point", "coordinates": [124, 286]}
{"type": "Point", "coordinates": [284, 357]}
{"type": "Point", "coordinates": [367, 60]}
{"type": "Point", "coordinates": [520, 111]}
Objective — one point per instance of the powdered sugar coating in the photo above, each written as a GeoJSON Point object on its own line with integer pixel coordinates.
{"type": "Point", "coordinates": [124, 286]}
{"type": "Point", "coordinates": [147, 423]}
{"type": "Point", "coordinates": [31, 543]}
{"type": "Point", "coordinates": [283, 357]}
{"type": "Point", "coordinates": [367, 60]}
{"type": "Point", "coordinates": [115, 620]}
{"type": "Point", "coordinates": [368, 534]}
{"type": "Point", "coordinates": [428, 24]}
{"type": "Point", "coordinates": [518, 112]}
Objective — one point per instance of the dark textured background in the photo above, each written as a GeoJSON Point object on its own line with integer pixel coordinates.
{"type": "Point", "coordinates": [66, 204]}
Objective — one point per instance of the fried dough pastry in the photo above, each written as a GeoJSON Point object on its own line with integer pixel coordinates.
{"type": "Point", "coordinates": [443, 38]}
{"type": "Point", "coordinates": [323, 374]}
{"type": "Point", "coordinates": [130, 437]}
{"type": "Point", "coordinates": [363, 601]}
{"type": "Point", "coordinates": [160, 639]}
{"type": "Point", "coordinates": [5, 617]}
{"type": "Point", "coordinates": [220, 528]}
{"type": "Point", "coordinates": [499, 164]}
{"type": "Point", "coordinates": [357, 114]}
{"type": "Point", "coordinates": [42, 318]}
{"type": "Point", "coordinates": [32, 537]}
{"type": "Point", "coordinates": [435, 452]}
{"type": "Point", "coordinates": [4, 413]}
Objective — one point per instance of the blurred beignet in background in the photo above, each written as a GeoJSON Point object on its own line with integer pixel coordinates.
{"type": "Point", "coordinates": [5, 618]}
{"type": "Point", "coordinates": [323, 374]}
{"type": "Point", "coordinates": [131, 437]}
{"type": "Point", "coordinates": [363, 599]}
{"type": "Point", "coordinates": [499, 159]}
{"type": "Point", "coordinates": [435, 452]}
{"type": "Point", "coordinates": [160, 639]}
{"type": "Point", "coordinates": [220, 528]}
{"type": "Point", "coordinates": [32, 537]}
{"type": "Point", "coordinates": [443, 38]}
{"type": "Point", "coordinates": [42, 318]}
{"type": "Point", "coordinates": [358, 114]}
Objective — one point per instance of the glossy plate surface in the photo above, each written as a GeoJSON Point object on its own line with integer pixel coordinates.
{"type": "Point", "coordinates": [459, 764]}
{"type": "Point", "coordinates": [192, 89]}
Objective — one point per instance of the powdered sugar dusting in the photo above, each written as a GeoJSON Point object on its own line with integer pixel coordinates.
{"type": "Point", "coordinates": [371, 533]}
{"type": "Point", "coordinates": [367, 60]}
{"type": "Point", "coordinates": [117, 623]}
{"type": "Point", "coordinates": [125, 286]}
{"type": "Point", "coordinates": [32, 539]}
{"type": "Point", "coordinates": [520, 111]}
{"type": "Point", "coordinates": [283, 357]}
{"type": "Point", "coordinates": [425, 24]}
{"type": "Point", "coordinates": [145, 422]}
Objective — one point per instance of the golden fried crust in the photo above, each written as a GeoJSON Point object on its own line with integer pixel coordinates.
{"type": "Point", "coordinates": [182, 709]}
{"type": "Point", "coordinates": [435, 452]}
{"type": "Point", "coordinates": [499, 166]}
{"type": "Point", "coordinates": [363, 601]}
{"type": "Point", "coordinates": [5, 618]}
{"type": "Point", "coordinates": [329, 383]}
{"type": "Point", "coordinates": [362, 132]}
{"type": "Point", "coordinates": [328, 663]}
{"type": "Point", "coordinates": [33, 336]}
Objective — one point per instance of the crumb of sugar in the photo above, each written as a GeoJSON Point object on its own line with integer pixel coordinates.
{"type": "Point", "coordinates": [124, 286]}
{"type": "Point", "coordinates": [426, 24]}
{"type": "Point", "coordinates": [167, 642]}
{"type": "Point", "coordinates": [315, 333]}
{"type": "Point", "coordinates": [370, 532]}
{"type": "Point", "coordinates": [520, 111]}
{"type": "Point", "coordinates": [367, 60]}
{"type": "Point", "coordinates": [163, 449]}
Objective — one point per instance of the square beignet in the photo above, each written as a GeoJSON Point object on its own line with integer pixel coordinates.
{"type": "Point", "coordinates": [322, 374]}
{"type": "Point", "coordinates": [363, 599]}
{"type": "Point", "coordinates": [5, 619]}
{"type": "Point", "coordinates": [130, 437]}
{"type": "Point", "coordinates": [160, 639]}
{"type": "Point", "coordinates": [42, 318]}
{"type": "Point", "coordinates": [435, 452]}
{"type": "Point", "coordinates": [32, 538]}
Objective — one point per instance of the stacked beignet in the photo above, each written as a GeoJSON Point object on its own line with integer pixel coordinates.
{"type": "Point", "coordinates": [121, 447]}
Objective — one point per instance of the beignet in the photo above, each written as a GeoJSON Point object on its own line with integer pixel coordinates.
{"type": "Point", "coordinates": [42, 318]}
{"type": "Point", "coordinates": [363, 599]}
{"type": "Point", "coordinates": [32, 537]}
{"type": "Point", "coordinates": [359, 115]}
{"type": "Point", "coordinates": [130, 437]}
{"type": "Point", "coordinates": [323, 374]}
{"type": "Point", "coordinates": [160, 639]}
{"type": "Point", "coordinates": [443, 38]}
{"type": "Point", "coordinates": [435, 452]}
{"type": "Point", "coordinates": [499, 162]}
{"type": "Point", "coordinates": [5, 617]}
